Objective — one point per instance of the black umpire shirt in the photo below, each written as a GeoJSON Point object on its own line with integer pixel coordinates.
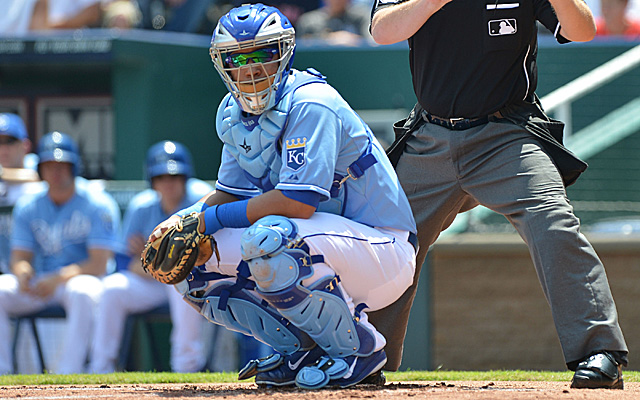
{"type": "Point", "coordinates": [471, 58]}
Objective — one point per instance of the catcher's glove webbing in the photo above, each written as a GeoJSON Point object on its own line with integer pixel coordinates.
{"type": "Point", "coordinates": [170, 258]}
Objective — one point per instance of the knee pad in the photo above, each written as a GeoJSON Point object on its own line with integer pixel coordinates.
{"type": "Point", "coordinates": [241, 311]}
{"type": "Point", "coordinates": [269, 247]}
{"type": "Point", "coordinates": [279, 261]}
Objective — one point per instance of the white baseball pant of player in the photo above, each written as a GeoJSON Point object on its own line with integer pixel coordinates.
{"type": "Point", "coordinates": [375, 266]}
{"type": "Point", "coordinates": [126, 293]}
{"type": "Point", "coordinates": [79, 297]}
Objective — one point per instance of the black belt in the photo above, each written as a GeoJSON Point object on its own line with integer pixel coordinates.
{"type": "Point", "coordinates": [459, 124]}
{"type": "Point", "coordinates": [413, 239]}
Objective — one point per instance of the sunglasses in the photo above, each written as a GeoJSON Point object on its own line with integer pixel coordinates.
{"type": "Point", "coordinates": [262, 55]}
{"type": "Point", "coordinates": [7, 140]}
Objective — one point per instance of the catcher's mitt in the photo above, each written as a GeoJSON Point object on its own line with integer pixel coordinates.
{"type": "Point", "coordinates": [170, 258]}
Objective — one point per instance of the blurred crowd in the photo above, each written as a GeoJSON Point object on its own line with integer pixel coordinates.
{"type": "Point", "coordinates": [338, 22]}
{"type": "Point", "coordinates": [343, 22]}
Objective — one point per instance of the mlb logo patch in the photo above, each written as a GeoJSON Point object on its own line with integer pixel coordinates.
{"type": "Point", "coordinates": [296, 153]}
{"type": "Point", "coordinates": [501, 27]}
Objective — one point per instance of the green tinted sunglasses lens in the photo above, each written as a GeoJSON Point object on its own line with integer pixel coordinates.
{"type": "Point", "coordinates": [257, 56]}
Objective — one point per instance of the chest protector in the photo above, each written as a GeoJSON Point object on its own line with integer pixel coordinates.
{"type": "Point", "coordinates": [255, 144]}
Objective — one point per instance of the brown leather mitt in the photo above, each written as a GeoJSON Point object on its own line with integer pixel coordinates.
{"type": "Point", "coordinates": [171, 257]}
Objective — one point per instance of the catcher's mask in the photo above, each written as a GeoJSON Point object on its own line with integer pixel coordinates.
{"type": "Point", "coordinates": [260, 39]}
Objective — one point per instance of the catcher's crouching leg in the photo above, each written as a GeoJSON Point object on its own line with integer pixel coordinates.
{"type": "Point", "coordinates": [279, 261]}
{"type": "Point", "coordinates": [226, 302]}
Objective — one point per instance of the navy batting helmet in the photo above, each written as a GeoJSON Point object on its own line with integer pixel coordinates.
{"type": "Point", "coordinates": [169, 158]}
{"type": "Point", "coordinates": [59, 147]}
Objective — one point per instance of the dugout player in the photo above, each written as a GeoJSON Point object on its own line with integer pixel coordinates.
{"type": "Point", "coordinates": [169, 169]}
{"type": "Point", "coordinates": [308, 215]}
{"type": "Point", "coordinates": [61, 241]}
{"type": "Point", "coordinates": [480, 136]}
{"type": "Point", "coordinates": [14, 153]}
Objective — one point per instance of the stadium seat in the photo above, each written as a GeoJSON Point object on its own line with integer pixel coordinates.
{"type": "Point", "coordinates": [49, 312]}
{"type": "Point", "coordinates": [158, 314]}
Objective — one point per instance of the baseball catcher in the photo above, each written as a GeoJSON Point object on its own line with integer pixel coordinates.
{"type": "Point", "coordinates": [311, 224]}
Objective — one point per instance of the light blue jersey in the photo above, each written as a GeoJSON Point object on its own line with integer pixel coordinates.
{"type": "Point", "coordinates": [59, 235]}
{"type": "Point", "coordinates": [144, 211]}
{"type": "Point", "coordinates": [303, 147]}
{"type": "Point", "coordinates": [9, 194]}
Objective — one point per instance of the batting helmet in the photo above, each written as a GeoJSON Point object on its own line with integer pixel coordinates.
{"type": "Point", "coordinates": [168, 158]}
{"type": "Point", "coordinates": [12, 125]}
{"type": "Point", "coordinates": [250, 26]}
{"type": "Point", "coordinates": [59, 147]}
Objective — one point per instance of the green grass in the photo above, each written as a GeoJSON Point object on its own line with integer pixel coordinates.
{"type": "Point", "coordinates": [229, 377]}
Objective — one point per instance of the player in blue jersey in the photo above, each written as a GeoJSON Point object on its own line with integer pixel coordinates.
{"type": "Point", "coordinates": [61, 242]}
{"type": "Point", "coordinates": [311, 224]}
{"type": "Point", "coordinates": [14, 153]}
{"type": "Point", "coordinates": [169, 169]}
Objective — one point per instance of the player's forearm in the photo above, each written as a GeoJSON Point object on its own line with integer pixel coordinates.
{"type": "Point", "coordinates": [22, 267]}
{"type": "Point", "coordinates": [274, 202]}
{"type": "Point", "coordinates": [95, 265]}
{"type": "Point", "coordinates": [576, 20]}
{"type": "Point", "coordinates": [243, 213]}
{"type": "Point", "coordinates": [399, 22]}
{"type": "Point", "coordinates": [218, 197]}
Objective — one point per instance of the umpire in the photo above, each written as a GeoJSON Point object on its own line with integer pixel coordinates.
{"type": "Point", "coordinates": [478, 135]}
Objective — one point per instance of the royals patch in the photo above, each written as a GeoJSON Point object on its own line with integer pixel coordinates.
{"type": "Point", "coordinates": [296, 153]}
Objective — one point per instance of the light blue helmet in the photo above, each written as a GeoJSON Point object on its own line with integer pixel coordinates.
{"type": "Point", "coordinates": [168, 158]}
{"type": "Point", "coordinates": [59, 147]}
{"type": "Point", "coordinates": [247, 26]}
{"type": "Point", "coordinates": [12, 125]}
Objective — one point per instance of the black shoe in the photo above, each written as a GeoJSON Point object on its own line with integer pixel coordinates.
{"type": "Point", "coordinates": [376, 379]}
{"type": "Point", "coordinates": [599, 371]}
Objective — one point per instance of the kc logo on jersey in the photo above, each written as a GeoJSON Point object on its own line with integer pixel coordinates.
{"type": "Point", "coordinates": [296, 153]}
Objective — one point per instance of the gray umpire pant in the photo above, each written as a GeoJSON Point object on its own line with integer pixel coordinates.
{"type": "Point", "coordinates": [502, 167]}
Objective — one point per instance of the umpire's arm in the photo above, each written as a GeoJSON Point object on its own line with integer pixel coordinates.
{"type": "Point", "coordinates": [576, 20]}
{"type": "Point", "coordinates": [393, 23]}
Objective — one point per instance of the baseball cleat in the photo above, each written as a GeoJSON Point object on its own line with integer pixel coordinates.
{"type": "Point", "coordinates": [284, 374]}
{"type": "Point", "coordinates": [340, 372]}
{"type": "Point", "coordinates": [376, 379]}
{"type": "Point", "coordinates": [599, 371]}
{"type": "Point", "coordinates": [254, 367]}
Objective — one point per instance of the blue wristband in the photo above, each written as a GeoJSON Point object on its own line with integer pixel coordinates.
{"type": "Point", "coordinates": [198, 207]}
{"type": "Point", "coordinates": [211, 222]}
{"type": "Point", "coordinates": [234, 214]}
{"type": "Point", "coordinates": [229, 215]}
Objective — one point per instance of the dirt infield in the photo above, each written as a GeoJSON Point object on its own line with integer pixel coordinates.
{"type": "Point", "coordinates": [391, 391]}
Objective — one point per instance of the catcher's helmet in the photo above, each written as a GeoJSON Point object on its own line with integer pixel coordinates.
{"type": "Point", "coordinates": [251, 26]}
{"type": "Point", "coordinates": [168, 158]}
{"type": "Point", "coordinates": [12, 125]}
{"type": "Point", "coordinates": [59, 147]}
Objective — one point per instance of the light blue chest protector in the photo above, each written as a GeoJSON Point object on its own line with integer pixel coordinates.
{"type": "Point", "coordinates": [255, 144]}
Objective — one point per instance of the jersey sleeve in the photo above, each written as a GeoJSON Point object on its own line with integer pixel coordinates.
{"type": "Point", "coordinates": [104, 228]}
{"type": "Point", "coordinates": [232, 179]}
{"type": "Point", "coordinates": [310, 149]}
{"type": "Point", "coordinates": [547, 17]}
